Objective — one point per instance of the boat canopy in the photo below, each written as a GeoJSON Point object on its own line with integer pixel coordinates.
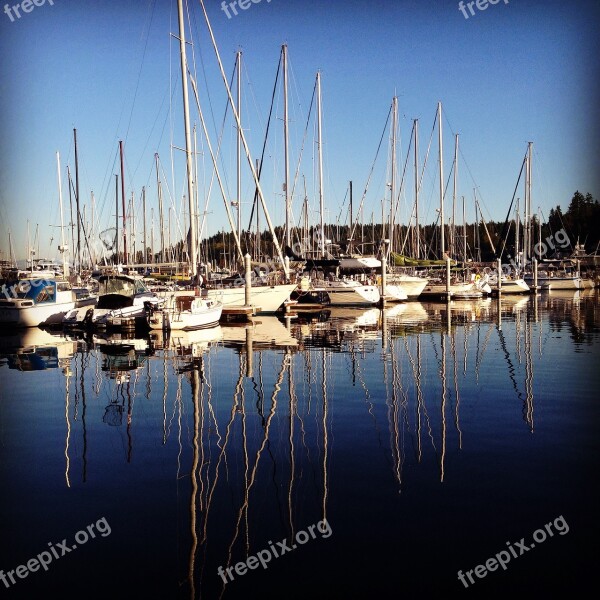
{"type": "Point", "coordinates": [122, 285]}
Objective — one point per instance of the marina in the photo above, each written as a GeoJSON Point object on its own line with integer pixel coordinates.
{"type": "Point", "coordinates": [298, 302]}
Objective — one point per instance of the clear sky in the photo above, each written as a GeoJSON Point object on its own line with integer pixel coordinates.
{"type": "Point", "coordinates": [518, 71]}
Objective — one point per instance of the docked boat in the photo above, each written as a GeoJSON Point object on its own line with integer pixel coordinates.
{"type": "Point", "coordinates": [412, 285]}
{"type": "Point", "coordinates": [33, 300]}
{"type": "Point", "coordinates": [510, 285]}
{"type": "Point", "coordinates": [348, 292]}
{"type": "Point", "coordinates": [553, 278]}
{"type": "Point", "coordinates": [121, 304]}
{"type": "Point", "coordinates": [395, 292]}
{"type": "Point", "coordinates": [438, 289]}
{"type": "Point", "coordinates": [266, 298]}
{"type": "Point", "coordinates": [184, 313]}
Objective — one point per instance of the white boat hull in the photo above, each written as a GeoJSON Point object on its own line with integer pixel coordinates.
{"type": "Point", "coordinates": [267, 298]}
{"type": "Point", "coordinates": [559, 283]}
{"type": "Point", "coordinates": [411, 284]}
{"type": "Point", "coordinates": [351, 293]}
{"type": "Point", "coordinates": [439, 289]}
{"type": "Point", "coordinates": [201, 314]}
{"type": "Point", "coordinates": [395, 293]}
{"type": "Point", "coordinates": [23, 312]}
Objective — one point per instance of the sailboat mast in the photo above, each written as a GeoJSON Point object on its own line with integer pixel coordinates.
{"type": "Point", "coordinates": [527, 249]}
{"type": "Point", "coordinates": [77, 200]}
{"type": "Point", "coordinates": [442, 239]}
{"type": "Point", "coordinates": [517, 233]}
{"type": "Point", "coordinates": [188, 143]}
{"type": "Point", "coordinates": [145, 257]}
{"type": "Point", "coordinates": [62, 248]}
{"type": "Point", "coordinates": [452, 229]}
{"type": "Point", "coordinates": [288, 241]}
{"type": "Point", "coordinates": [161, 218]}
{"type": "Point", "coordinates": [464, 231]}
{"type": "Point", "coordinates": [239, 145]}
{"type": "Point", "coordinates": [417, 248]}
{"type": "Point", "coordinates": [125, 261]}
{"type": "Point", "coordinates": [393, 173]}
{"type": "Point", "coordinates": [319, 142]}
{"type": "Point", "coordinates": [116, 218]}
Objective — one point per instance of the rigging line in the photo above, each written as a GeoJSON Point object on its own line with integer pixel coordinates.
{"type": "Point", "coordinates": [262, 155]}
{"type": "Point", "coordinates": [137, 84]}
{"type": "Point", "coordinates": [504, 234]}
{"type": "Point", "coordinates": [297, 173]}
{"type": "Point", "coordinates": [362, 200]}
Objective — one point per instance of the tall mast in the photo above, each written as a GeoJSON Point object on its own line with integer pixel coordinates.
{"type": "Point", "coordinates": [393, 174]}
{"type": "Point", "coordinates": [417, 234]}
{"type": "Point", "coordinates": [527, 248]}
{"type": "Point", "coordinates": [351, 222]}
{"type": "Point", "coordinates": [70, 186]}
{"type": "Point", "coordinates": [442, 238]}
{"type": "Point", "coordinates": [246, 148]}
{"type": "Point", "coordinates": [77, 200]}
{"type": "Point", "coordinates": [452, 249]}
{"type": "Point", "coordinates": [188, 144]}
{"type": "Point", "coordinates": [161, 219]}
{"type": "Point", "coordinates": [239, 145]}
{"type": "Point", "coordinates": [517, 233]}
{"type": "Point", "coordinates": [464, 231]}
{"type": "Point", "coordinates": [91, 231]}
{"type": "Point", "coordinates": [116, 218]}
{"type": "Point", "coordinates": [125, 261]}
{"type": "Point", "coordinates": [63, 248]}
{"type": "Point", "coordinates": [319, 136]}
{"type": "Point", "coordinates": [133, 232]}
{"type": "Point", "coordinates": [145, 257]}
{"type": "Point", "coordinates": [286, 148]}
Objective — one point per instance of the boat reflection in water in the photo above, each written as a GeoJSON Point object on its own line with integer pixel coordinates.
{"type": "Point", "coordinates": [35, 349]}
{"type": "Point", "coordinates": [246, 435]}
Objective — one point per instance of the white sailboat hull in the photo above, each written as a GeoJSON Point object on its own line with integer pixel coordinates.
{"type": "Point", "coordinates": [351, 293]}
{"type": "Point", "coordinates": [201, 314]}
{"type": "Point", "coordinates": [267, 298]}
{"type": "Point", "coordinates": [439, 289]}
{"type": "Point", "coordinates": [411, 284]}
{"type": "Point", "coordinates": [395, 293]}
{"type": "Point", "coordinates": [558, 283]}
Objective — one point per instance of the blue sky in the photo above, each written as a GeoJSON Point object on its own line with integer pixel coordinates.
{"type": "Point", "coordinates": [520, 71]}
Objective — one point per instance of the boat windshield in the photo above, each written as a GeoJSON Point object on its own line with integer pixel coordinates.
{"type": "Point", "coordinates": [124, 286]}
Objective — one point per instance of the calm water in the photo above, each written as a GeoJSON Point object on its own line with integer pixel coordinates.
{"type": "Point", "coordinates": [415, 444]}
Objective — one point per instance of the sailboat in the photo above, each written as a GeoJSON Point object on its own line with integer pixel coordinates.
{"type": "Point", "coordinates": [440, 287]}
{"type": "Point", "coordinates": [184, 313]}
{"type": "Point", "coordinates": [343, 291]}
{"type": "Point", "coordinates": [265, 298]}
{"type": "Point", "coordinates": [36, 298]}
